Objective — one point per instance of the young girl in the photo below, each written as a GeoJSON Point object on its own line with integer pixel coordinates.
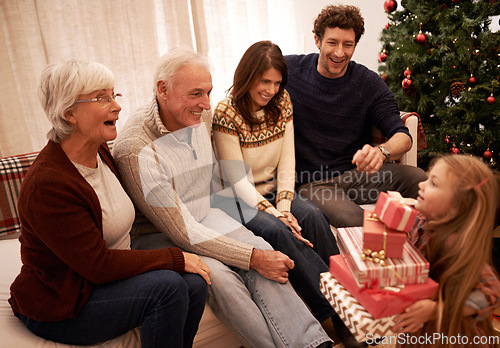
{"type": "Point", "coordinates": [457, 205]}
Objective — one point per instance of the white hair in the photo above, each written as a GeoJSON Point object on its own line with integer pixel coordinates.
{"type": "Point", "coordinates": [172, 61]}
{"type": "Point", "coordinates": [60, 86]}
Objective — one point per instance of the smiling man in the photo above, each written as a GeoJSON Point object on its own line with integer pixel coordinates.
{"type": "Point", "coordinates": [336, 101]}
{"type": "Point", "coordinates": [167, 164]}
{"type": "Point", "coordinates": [336, 48]}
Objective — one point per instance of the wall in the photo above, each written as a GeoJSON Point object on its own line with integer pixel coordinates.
{"type": "Point", "coordinates": [368, 47]}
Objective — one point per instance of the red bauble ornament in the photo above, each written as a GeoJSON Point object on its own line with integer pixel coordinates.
{"type": "Point", "coordinates": [382, 56]}
{"type": "Point", "coordinates": [493, 1]}
{"type": "Point", "coordinates": [456, 1]}
{"type": "Point", "coordinates": [407, 72]}
{"type": "Point", "coordinates": [472, 80]}
{"type": "Point", "coordinates": [490, 100]}
{"type": "Point", "coordinates": [407, 87]}
{"type": "Point", "coordinates": [387, 26]}
{"type": "Point", "coordinates": [447, 140]}
{"type": "Point", "coordinates": [455, 150]}
{"type": "Point", "coordinates": [421, 38]}
{"type": "Point", "coordinates": [406, 83]}
{"type": "Point", "coordinates": [488, 154]}
{"type": "Point", "coordinates": [390, 6]}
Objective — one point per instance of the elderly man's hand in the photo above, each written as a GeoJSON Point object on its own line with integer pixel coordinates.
{"type": "Point", "coordinates": [369, 159]}
{"type": "Point", "coordinates": [271, 264]}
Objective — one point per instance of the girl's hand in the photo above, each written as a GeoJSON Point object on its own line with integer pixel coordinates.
{"type": "Point", "coordinates": [193, 264]}
{"type": "Point", "coordinates": [290, 220]}
{"type": "Point", "coordinates": [415, 316]}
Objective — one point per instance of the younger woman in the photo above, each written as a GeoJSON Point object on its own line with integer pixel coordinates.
{"type": "Point", "coordinates": [253, 128]}
{"type": "Point", "coordinates": [457, 205]}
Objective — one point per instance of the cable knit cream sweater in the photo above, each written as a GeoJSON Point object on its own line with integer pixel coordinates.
{"type": "Point", "coordinates": [168, 176]}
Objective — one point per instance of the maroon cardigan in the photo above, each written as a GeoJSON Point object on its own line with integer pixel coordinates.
{"type": "Point", "coordinates": [62, 248]}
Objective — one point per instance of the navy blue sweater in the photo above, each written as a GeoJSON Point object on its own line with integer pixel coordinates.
{"type": "Point", "coordinates": [333, 118]}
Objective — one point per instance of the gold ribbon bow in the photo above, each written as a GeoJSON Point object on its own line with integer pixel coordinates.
{"type": "Point", "coordinates": [378, 256]}
{"type": "Point", "coordinates": [375, 256]}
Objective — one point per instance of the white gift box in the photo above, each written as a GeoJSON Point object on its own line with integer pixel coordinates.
{"type": "Point", "coordinates": [359, 321]}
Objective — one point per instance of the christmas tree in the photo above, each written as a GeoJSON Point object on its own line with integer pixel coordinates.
{"type": "Point", "coordinates": [441, 59]}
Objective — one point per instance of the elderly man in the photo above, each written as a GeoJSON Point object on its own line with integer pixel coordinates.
{"type": "Point", "coordinates": [335, 102]}
{"type": "Point", "coordinates": [167, 163]}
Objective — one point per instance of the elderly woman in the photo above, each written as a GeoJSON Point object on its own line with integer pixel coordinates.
{"type": "Point", "coordinates": [80, 283]}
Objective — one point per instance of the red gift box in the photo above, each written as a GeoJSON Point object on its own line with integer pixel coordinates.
{"type": "Point", "coordinates": [380, 302]}
{"type": "Point", "coordinates": [412, 268]}
{"type": "Point", "coordinates": [394, 211]}
{"type": "Point", "coordinates": [377, 237]}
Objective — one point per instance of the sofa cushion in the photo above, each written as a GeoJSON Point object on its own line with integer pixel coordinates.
{"type": "Point", "coordinates": [12, 171]}
{"type": "Point", "coordinates": [211, 332]}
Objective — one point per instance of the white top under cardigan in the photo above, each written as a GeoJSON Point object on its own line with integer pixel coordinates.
{"type": "Point", "coordinates": [118, 212]}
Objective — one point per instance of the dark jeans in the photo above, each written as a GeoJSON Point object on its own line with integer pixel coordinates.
{"type": "Point", "coordinates": [309, 262]}
{"type": "Point", "coordinates": [166, 305]}
{"type": "Point", "coordinates": [341, 196]}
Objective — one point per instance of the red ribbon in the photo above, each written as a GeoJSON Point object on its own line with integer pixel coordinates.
{"type": "Point", "coordinates": [384, 292]}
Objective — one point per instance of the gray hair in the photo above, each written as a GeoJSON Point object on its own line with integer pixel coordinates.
{"type": "Point", "coordinates": [172, 61]}
{"type": "Point", "coordinates": [60, 86]}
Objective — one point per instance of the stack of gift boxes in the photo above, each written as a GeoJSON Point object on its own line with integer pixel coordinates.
{"type": "Point", "coordinates": [379, 272]}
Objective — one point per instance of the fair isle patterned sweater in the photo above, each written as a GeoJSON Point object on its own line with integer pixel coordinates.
{"type": "Point", "coordinates": [267, 150]}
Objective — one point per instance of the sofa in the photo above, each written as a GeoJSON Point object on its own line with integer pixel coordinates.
{"type": "Point", "coordinates": [211, 333]}
{"type": "Point", "coordinates": [13, 333]}
{"type": "Point", "coordinates": [412, 121]}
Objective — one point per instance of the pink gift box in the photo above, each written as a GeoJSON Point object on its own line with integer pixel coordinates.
{"type": "Point", "coordinates": [377, 236]}
{"type": "Point", "coordinates": [394, 211]}
{"type": "Point", "coordinates": [412, 268]}
{"type": "Point", "coordinates": [380, 302]}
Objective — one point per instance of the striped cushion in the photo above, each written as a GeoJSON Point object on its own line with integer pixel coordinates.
{"type": "Point", "coordinates": [12, 171]}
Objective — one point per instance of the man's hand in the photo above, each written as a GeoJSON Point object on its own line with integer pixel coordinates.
{"type": "Point", "coordinates": [271, 264]}
{"type": "Point", "coordinates": [290, 220]}
{"type": "Point", "coordinates": [193, 264]}
{"type": "Point", "coordinates": [415, 316]}
{"type": "Point", "coordinates": [369, 159]}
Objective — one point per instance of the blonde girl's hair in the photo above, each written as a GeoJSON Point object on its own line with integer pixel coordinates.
{"type": "Point", "coordinates": [61, 85]}
{"type": "Point", "coordinates": [462, 243]}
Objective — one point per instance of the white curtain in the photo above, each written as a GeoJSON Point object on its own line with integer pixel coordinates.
{"type": "Point", "coordinates": [226, 28]}
{"type": "Point", "coordinates": [127, 36]}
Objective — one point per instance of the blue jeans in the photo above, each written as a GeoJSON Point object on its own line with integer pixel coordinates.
{"type": "Point", "coordinates": [339, 197]}
{"type": "Point", "coordinates": [260, 312]}
{"type": "Point", "coordinates": [309, 262]}
{"type": "Point", "coordinates": [166, 305]}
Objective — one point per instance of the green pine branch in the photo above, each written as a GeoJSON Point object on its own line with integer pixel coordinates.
{"type": "Point", "coordinates": [459, 44]}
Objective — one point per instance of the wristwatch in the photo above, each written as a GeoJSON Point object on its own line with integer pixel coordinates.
{"type": "Point", "coordinates": [385, 151]}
